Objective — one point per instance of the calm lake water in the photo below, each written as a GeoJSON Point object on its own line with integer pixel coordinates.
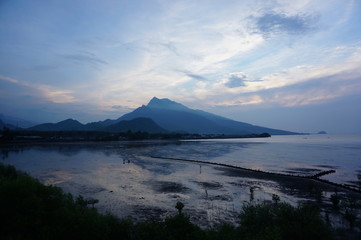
{"type": "Point", "coordinates": [130, 183]}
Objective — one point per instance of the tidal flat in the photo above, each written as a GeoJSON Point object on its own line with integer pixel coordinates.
{"type": "Point", "coordinates": [130, 183]}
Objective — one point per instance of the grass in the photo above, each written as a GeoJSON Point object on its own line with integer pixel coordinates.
{"type": "Point", "coordinates": [30, 210]}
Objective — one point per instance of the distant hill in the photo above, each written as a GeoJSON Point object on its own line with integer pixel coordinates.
{"type": "Point", "coordinates": [134, 125]}
{"type": "Point", "coordinates": [176, 117]}
{"type": "Point", "coordinates": [16, 122]}
{"type": "Point", "coordinates": [66, 125]}
{"type": "Point", "coordinates": [7, 125]}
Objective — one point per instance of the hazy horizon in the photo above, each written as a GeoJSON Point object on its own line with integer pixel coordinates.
{"type": "Point", "coordinates": [290, 65]}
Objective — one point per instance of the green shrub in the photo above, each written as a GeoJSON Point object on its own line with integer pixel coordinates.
{"type": "Point", "coordinates": [30, 210]}
{"type": "Point", "coordinates": [282, 221]}
{"type": "Point", "coordinates": [180, 227]}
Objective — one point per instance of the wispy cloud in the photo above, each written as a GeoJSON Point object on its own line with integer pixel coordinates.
{"type": "Point", "coordinates": [121, 108]}
{"type": "Point", "coordinates": [193, 76]}
{"type": "Point", "coordinates": [240, 101]}
{"type": "Point", "coordinates": [317, 91]}
{"type": "Point", "coordinates": [47, 92]}
{"type": "Point", "coordinates": [273, 23]}
{"type": "Point", "coordinates": [11, 80]}
{"type": "Point", "coordinates": [196, 77]}
{"type": "Point", "coordinates": [57, 95]}
{"type": "Point", "coordinates": [311, 92]}
{"type": "Point", "coordinates": [85, 58]}
{"type": "Point", "coordinates": [299, 85]}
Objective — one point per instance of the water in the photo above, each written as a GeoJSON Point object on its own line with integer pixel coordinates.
{"type": "Point", "coordinates": [299, 155]}
{"type": "Point", "coordinates": [130, 183]}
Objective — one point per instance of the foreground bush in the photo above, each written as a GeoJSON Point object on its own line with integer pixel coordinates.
{"type": "Point", "coordinates": [282, 221]}
{"type": "Point", "coordinates": [30, 210]}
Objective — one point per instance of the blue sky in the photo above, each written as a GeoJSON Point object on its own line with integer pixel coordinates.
{"type": "Point", "coordinates": [293, 65]}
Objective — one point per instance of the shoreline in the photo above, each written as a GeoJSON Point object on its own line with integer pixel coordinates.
{"type": "Point", "coordinates": [96, 136]}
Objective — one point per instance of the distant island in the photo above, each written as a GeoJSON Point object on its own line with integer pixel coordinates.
{"type": "Point", "coordinates": [322, 132]}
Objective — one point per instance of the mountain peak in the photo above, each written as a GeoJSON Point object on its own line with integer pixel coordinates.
{"type": "Point", "coordinates": [68, 121]}
{"type": "Point", "coordinates": [176, 117]}
{"type": "Point", "coordinates": [166, 103]}
{"type": "Point", "coordinates": [157, 101]}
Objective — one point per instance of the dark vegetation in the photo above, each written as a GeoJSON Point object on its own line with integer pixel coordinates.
{"type": "Point", "coordinates": [30, 210]}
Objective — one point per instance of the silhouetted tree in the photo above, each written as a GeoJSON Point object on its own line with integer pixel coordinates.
{"type": "Point", "coordinates": [275, 198]}
{"type": "Point", "coordinates": [251, 197]}
{"type": "Point", "coordinates": [92, 201]}
{"type": "Point", "coordinates": [180, 207]}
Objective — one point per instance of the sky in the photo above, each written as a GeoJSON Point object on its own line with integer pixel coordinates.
{"type": "Point", "coordinates": [292, 65]}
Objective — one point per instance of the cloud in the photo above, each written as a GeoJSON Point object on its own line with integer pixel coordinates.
{"type": "Point", "coordinates": [317, 90]}
{"type": "Point", "coordinates": [8, 79]}
{"type": "Point", "coordinates": [57, 95]}
{"type": "Point", "coordinates": [194, 76]}
{"type": "Point", "coordinates": [251, 99]}
{"type": "Point", "coordinates": [171, 47]}
{"type": "Point", "coordinates": [273, 23]}
{"type": "Point", "coordinates": [311, 91]}
{"type": "Point", "coordinates": [238, 79]}
{"type": "Point", "coordinates": [50, 93]}
{"type": "Point", "coordinates": [117, 106]}
{"type": "Point", "coordinates": [121, 107]}
{"type": "Point", "coordinates": [337, 76]}
{"type": "Point", "coordinates": [85, 58]}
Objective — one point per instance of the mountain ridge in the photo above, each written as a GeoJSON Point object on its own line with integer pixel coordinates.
{"type": "Point", "coordinates": [135, 125]}
{"type": "Point", "coordinates": [176, 117]}
{"type": "Point", "coordinates": [165, 115]}
{"type": "Point", "coordinates": [16, 122]}
{"type": "Point", "coordinates": [7, 125]}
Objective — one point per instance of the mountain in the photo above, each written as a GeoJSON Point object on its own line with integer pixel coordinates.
{"type": "Point", "coordinates": [6, 125]}
{"type": "Point", "coordinates": [167, 104]}
{"type": "Point", "coordinates": [176, 117]}
{"type": "Point", "coordinates": [16, 122]}
{"type": "Point", "coordinates": [66, 125]}
{"type": "Point", "coordinates": [164, 115]}
{"type": "Point", "coordinates": [134, 125]}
